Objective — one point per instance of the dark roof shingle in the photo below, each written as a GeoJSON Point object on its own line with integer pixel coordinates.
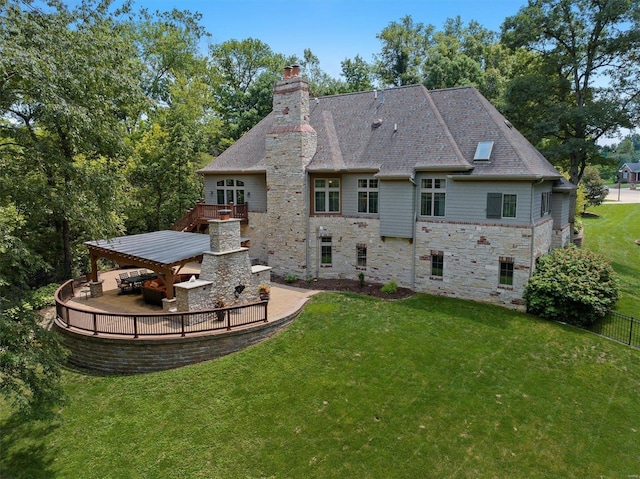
{"type": "Point", "coordinates": [399, 131]}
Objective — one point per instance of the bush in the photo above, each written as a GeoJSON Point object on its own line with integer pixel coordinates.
{"type": "Point", "coordinates": [290, 278]}
{"type": "Point", "coordinates": [43, 297]}
{"type": "Point", "coordinates": [389, 288]}
{"type": "Point", "coordinates": [361, 279]}
{"type": "Point", "coordinates": [572, 285]}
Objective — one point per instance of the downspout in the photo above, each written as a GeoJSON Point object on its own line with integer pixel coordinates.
{"type": "Point", "coordinates": [307, 208]}
{"type": "Point", "coordinates": [415, 237]}
{"type": "Point", "coordinates": [533, 227]}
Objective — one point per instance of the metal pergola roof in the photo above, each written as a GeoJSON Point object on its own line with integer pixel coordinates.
{"type": "Point", "coordinates": [160, 251]}
{"type": "Point", "coordinates": [160, 248]}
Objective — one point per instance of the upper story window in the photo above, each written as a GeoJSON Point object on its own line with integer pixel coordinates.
{"type": "Point", "coordinates": [501, 205]}
{"type": "Point", "coordinates": [432, 196]}
{"type": "Point", "coordinates": [230, 191]}
{"type": "Point", "coordinates": [326, 195]}
{"type": "Point", "coordinates": [367, 196]}
{"type": "Point", "coordinates": [545, 203]}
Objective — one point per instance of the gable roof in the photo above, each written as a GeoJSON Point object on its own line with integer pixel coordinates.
{"type": "Point", "coordinates": [633, 167]}
{"type": "Point", "coordinates": [398, 132]}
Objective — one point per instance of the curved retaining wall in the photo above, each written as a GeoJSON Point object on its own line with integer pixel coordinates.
{"type": "Point", "coordinates": [110, 355]}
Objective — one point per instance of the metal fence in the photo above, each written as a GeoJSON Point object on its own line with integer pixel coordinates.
{"type": "Point", "coordinates": [622, 328]}
{"type": "Point", "coordinates": [159, 324]}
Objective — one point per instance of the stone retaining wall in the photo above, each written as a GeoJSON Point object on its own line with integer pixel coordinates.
{"type": "Point", "coordinates": [109, 355]}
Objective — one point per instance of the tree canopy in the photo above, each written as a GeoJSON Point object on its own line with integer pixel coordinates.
{"type": "Point", "coordinates": [583, 81]}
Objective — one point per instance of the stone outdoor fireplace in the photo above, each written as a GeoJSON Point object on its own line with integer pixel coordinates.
{"type": "Point", "coordinates": [227, 277]}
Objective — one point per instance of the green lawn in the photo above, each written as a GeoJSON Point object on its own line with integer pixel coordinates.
{"type": "Point", "coordinates": [358, 388]}
{"type": "Point", "coordinates": [613, 234]}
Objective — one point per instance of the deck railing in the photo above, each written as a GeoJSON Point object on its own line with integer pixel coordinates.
{"type": "Point", "coordinates": [155, 324]}
{"type": "Point", "coordinates": [201, 213]}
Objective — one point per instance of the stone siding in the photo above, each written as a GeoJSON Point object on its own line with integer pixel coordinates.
{"type": "Point", "coordinates": [135, 356]}
{"type": "Point", "coordinates": [387, 259]}
{"type": "Point", "coordinates": [561, 237]}
{"type": "Point", "coordinates": [472, 254]}
{"type": "Point", "coordinates": [289, 148]}
{"type": "Point", "coordinates": [257, 230]}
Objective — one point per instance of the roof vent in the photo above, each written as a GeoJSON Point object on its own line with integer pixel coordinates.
{"type": "Point", "coordinates": [483, 151]}
{"type": "Point", "coordinates": [377, 123]}
{"type": "Point", "coordinates": [508, 123]}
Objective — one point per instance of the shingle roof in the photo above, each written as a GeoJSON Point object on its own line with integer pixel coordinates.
{"type": "Point", "coordinates": [633, 167]}
{"type": "Point", "coordinates": [399, 131]}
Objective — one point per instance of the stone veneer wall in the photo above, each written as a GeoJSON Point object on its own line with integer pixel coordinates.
{"type": "Point", "coordinates": [472, 255]}
{"type": "Point", "coordinates": [471, 252]}
{"type": "Point", "coordinates": [561, 237]}
{"type": "Point", "coordinates": [290, 145]}
{"type": "Point", "coordinates": [257, 230]}
{"type": "Point", "coordinates": [387, 260]}
{"type": "Point", "coordinates": [223, 268]}
{"type": "Point", "coordinates": [135, 356]}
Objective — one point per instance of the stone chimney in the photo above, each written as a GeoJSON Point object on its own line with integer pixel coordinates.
{"type": "Point", "coordinates": [290, 145]}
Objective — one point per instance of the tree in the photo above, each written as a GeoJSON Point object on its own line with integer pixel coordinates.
{"type": "Point", "coordinates": [404, 48]}
{"type": "Point", "coordinates": [357, 74]}
{"type": "Point", "coordinates": [68, 79]}
{"type": "Point", "coordinates": [595, 189]}
{"type": "Point", "coordinates": [583, 82]}
{"type": "Point", "coordinates": [169, 141]}
{"type": "Point", "coordinates": [30, 359]}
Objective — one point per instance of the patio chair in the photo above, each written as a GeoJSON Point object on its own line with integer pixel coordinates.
{"type": "Point", "coordinates": [124, 275]}
{"type": "Point", "coordinates": [123, 287]}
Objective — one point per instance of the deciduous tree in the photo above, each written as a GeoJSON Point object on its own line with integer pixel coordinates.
{"type": "Point", "coordinates": [583, 83]}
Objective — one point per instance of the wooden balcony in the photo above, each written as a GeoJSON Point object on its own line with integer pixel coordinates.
{"type": "Point", "coordinates": [197, 218]}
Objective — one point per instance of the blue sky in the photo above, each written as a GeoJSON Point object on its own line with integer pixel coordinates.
{"type": "Point", "coordinates": [332, 29]}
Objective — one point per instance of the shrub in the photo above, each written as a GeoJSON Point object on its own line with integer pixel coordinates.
{"type": "Point", "coordinates": [572, 285]}
{"type": "Point", "coordinates": [43, 297]}
{"type": "Point", "coordinates": [389, 288]}
{"type": "Point", "coordinates": [361, 279]}
{"type": "Point", "coordinates": [290, 278]}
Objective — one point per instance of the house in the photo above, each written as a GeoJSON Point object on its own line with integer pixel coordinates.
{"type": "Point", "coordinates": [435, 190]}
{"type": "Point", "coordinates": [629, 173]}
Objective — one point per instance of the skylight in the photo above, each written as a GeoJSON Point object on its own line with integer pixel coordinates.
{"type": "Point", "coordinates": [483, 151]}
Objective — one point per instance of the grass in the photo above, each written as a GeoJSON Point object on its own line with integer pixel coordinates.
{"type": "Point", "coordinates": [358, 387]}
{"type": "Point", "coordinates": [613, 234]}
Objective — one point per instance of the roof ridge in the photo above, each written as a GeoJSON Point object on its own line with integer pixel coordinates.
{"type": "Point", "coordinates": [444, 126]}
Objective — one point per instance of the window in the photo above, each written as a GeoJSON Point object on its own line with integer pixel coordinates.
{"type": "Point", "coordinates": [361, 256]}
{"type": "Point", "coordinates": [545, 203]}
{"type": "Point", "coordinates": [437, 264]}
{"type": "Point", "coordinates": [506, 272]}
{"type": "Point", "coordinates": [501, 206]}
{"type": "Point", "coordinates": [367, 196]}
{"type": "Point", "coordinates": [509, 206]}
{"type": "Point", "coordinates": [483, 151]}
{"type": "Point", "coordinates": [327, 195]}
{"type": "Point", "coordinates": [432, 196]}
{"type": "Point", "coordinates": [325, 251]}
{"type": "Point", "coordinates": [230, 191]}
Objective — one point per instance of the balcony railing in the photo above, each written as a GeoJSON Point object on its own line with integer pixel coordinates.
{"type": "Point", "coordinates": [155, 324]}
{"type": "Point", "coordinates": [201, 213]}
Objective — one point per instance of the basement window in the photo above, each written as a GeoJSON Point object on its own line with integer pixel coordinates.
{"type": "Point", "coordinates": [483, 151]}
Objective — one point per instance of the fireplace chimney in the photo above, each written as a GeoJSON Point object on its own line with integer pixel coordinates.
{"type": "Point", "coordinates": [295, 71]}
{"type": "Point", "coordinates": [287, 72]}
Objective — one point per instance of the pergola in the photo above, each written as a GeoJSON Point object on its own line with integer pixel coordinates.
{"type": "Point", "coordinates": [164, 252]}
